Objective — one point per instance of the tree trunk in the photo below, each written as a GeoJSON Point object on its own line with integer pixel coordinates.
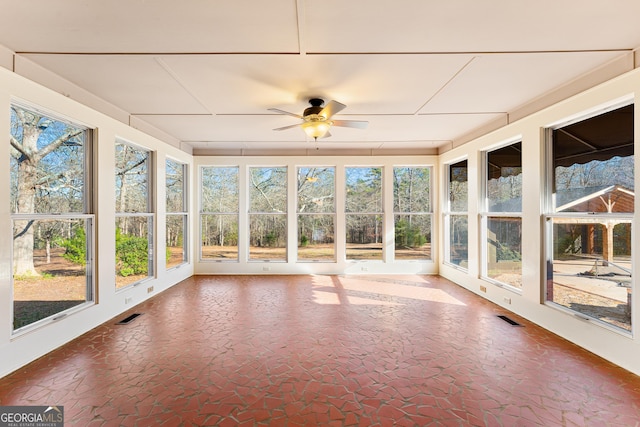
{"type": "Point", "coordinates": [48, 250]}
{"type": "Point", "coordinates": [220, 231]}
{"type": "Point", "coordinates": [23, 230]}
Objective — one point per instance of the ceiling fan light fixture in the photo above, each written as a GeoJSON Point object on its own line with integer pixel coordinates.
{"type": "Point", "coordinates": [316, 129]}
{"type": "Point", "coordinates": [316, 120]}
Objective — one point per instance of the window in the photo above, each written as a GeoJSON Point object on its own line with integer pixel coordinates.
{"type": "Point", "coordinates": [588, 226]}
{"type": "Point", "coordinates": [219, 210]}
{"type": "Point", "coordinates": [316, 213]}
{"type": "Point", "coordinates": [364, 214]}
{"type": "Point", "coordinates": [412, 212]}
{"type": "Point", "coordinates": [502, 216]}
{"type": "Point", "coordinates": [177, 219]}
{"type": "Point", "coordinates": [455, 217]}
{"type": "Point", "coordinates": [268, 214]}
{"type": "Point", "coordinates": [134, 217]}
{"type": "Point", "coordinates": [51, 216]}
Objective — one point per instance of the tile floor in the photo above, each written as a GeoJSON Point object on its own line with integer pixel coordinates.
{"type": "Point", "coordinates": [324, 351]}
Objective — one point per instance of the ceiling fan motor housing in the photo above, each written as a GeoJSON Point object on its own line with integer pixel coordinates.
{"type": "Point", "coordinates": [316, 107]}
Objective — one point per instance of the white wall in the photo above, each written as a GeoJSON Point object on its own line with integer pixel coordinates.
{"type": "Point", "coordinates": [17, 350]}
{"type": "Point", "coordinates": [341, 265]}
{"type": "Point", "coordinates": [619, 348]}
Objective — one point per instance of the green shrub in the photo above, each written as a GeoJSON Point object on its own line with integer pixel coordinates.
{"type": "Point", "coordinates": [408, 235]}
{"type": "Point", "coordinates": [132, 254]}
{"type": "Point", "coordinates": [503, 253]}
{"type": "Point", "coordinates": [270, 239]}
{"type": "Point", "coordinates": [76, 247]}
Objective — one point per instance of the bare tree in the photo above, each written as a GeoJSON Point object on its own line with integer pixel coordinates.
{"type": "Point", "coordinates": [32, 141]}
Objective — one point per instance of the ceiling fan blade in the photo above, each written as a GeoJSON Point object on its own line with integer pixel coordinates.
{"type": "Point", "coordinates": [288, 127]}
{"type": "Point", "coordinates": [332, 108]}
{"type": "Point", "coordinates": [285, 112]}
{"type": "Point", "coordinates": [358, 124]}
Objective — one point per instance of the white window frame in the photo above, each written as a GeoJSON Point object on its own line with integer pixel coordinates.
{"type": "Point", "coordinates": [381, 213]}
{"type": "Point", "coordinates": [486, 215]}
{"type": "Point", "coordinates": [550, 215]}
{"type": "Point", "coordinates": [285, 214]}
{"type": "Point", "coordinates": [184, 213]}
{"type": "Point", "coordinates": [86, 215]}
{"type": "Point", "coordinates": [420, 213]}
{"type": "Point", "coordinates": [448, 213]}
{"type": "Point", "coordinates": [149, 214]}
{"type": "Point", "coordinates": [332, 214]}
{"type": "Point", "coordinates": [203, 213]}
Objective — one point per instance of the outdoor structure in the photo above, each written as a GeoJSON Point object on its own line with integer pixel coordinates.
{"type": "Point", "coordinates": [609, 199]}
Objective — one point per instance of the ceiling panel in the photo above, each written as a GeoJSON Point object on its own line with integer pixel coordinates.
{"type": "Point", "coordinates": [367, 84]}
{"type": "Point", "coordinates": [139, 26]}
{"type": "Point", "coordinates": [470, 26]}
{"type": "Point", "coordinates": [230, 130]}
{"type": "Point", "coordinates": [135, 83]}
{"type": "Point", "coordinates": [506, 81]}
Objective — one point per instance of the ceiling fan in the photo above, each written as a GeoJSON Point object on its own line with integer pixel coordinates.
{"type": "Point", "coordinates": [316, 120]}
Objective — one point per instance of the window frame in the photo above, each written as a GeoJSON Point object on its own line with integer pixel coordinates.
{"type": "Point", "coordinates": [309, 214]}
{"type": "Point", "coordinates": [225, 214]}
{"type": "Point", "coordinates": [486, 214]}
{"type": "Point", "coordinates": [149, 214]}
{"type": "Point", "coordinates": [87, 215]}
{"type": "Point", "coordinates": [448, 213]}
{"type": "Point", "coordinates": [283, 215]}
{"type": "Point", "coordinates": [428, 214]}
{"type": "Point", "coordinates": [381, 212]}
{"type": "Point", "coordinates": [550, 214]}
{"type": "Point", "coordinates": [184, 213]}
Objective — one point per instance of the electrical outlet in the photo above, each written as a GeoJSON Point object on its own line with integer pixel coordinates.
{"type": "Point", "coordinates": [365, 269]}
{"type": "Point", "coordinates": [483, 288]}
{"type": "Point", "coordinates": [266, 268]}
{"type": "Point", "coordinates": [506, 300]}
{"type": "Point", "coordinates": [150, 289]}
{"type": "Point", "coordinates": [127, 300]}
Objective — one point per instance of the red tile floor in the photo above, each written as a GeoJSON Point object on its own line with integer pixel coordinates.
{"type": "Point", "coordinates": [324, 351]}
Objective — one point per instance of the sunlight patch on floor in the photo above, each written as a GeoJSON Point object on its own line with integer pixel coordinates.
{"type": "Point", "coordinates": [370, 286]}
{"type": "Point", "coordinates": [332, 298]}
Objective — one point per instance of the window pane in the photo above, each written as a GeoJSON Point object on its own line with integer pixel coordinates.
{"type": "Point", "coordinates": [47, 164]}
{"type": "Point", "coordinates": [504, 250]}
{"type": "Point", "coordinates": [590, 271]}
{"type": "Point", "coordinates": [133, 263]}
{"type": "Point", "coordinates": [316, 238]}
{"type": "Point", "coordinates": [504, 179]}
{"type": "Point", "coordinates": [219, 237]}
{"type": "Point", "coordinates": [458, 187]}
{"type": "Point", "coordinates": [268, 237]}
{"type": "Point", "coordinates": [316, 189]}
{"type": "Point", "coordinates": [268, 189]}
{"type": "Point", "coordinates": [59, 254]}
{"type": "Point", "coordinates": [363, 189]}
{"type": "Point", "coordinates": [219, 189]}
{"type": "Point", "coordinates": [593, 164]}
{"type": "Point", "coordinates": [175, 184]}
{"type": "Point", "coordinates": [458, 240]}
{"type": "Point", "coordinates": [411, 189]}
{"type": "Point", "coordinates": [364, 237]}
{"type": "Point", "coordinates": [132, 179]}
{"type": "Point", "coordinates": [413, 236]}
{"type": "Point", "coordinates": [176, 245]}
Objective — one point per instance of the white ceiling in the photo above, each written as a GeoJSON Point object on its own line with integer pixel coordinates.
{"type": "Point", "coordinates": [424, 73]}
